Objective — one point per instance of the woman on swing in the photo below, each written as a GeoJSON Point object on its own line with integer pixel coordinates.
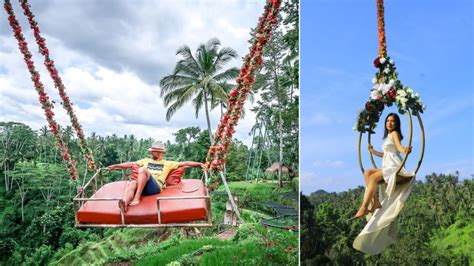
{"type": "Point", "coordinates": [392, 147]}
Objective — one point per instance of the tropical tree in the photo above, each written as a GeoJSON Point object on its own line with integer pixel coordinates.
{"type": "Point", "coordinates": [200, 77]}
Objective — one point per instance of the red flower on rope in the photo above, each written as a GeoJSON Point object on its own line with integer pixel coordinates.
{"type": "Point", "coordinates": [223, 138]}
{"type": "Point", "coordinates": [49, 63]}
{"type": "Point", "coordinates": [43, 98]}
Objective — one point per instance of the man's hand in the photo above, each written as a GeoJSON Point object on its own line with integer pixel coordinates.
{"type": "Point", "coordinates": [111, 167]}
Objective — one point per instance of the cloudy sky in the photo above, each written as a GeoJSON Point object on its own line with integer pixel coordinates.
{"type": "Point", "coordinates": [431, 42]}
{"type": "Point", "coordinates": [111, 55]}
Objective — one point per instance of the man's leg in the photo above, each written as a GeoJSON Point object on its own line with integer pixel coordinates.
{"type": "Point", "coordinates": [143, 175]}
{"type": "Point", "coordinates": [129, 193]}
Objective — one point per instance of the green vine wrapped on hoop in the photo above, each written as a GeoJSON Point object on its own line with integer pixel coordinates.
{"type": "Point", "coordinates": [387, 90]}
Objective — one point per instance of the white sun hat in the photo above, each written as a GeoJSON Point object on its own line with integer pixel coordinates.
{"type": "Point", "coordinates": [157, 146]}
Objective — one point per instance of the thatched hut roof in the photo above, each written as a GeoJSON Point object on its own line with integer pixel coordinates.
{"type": "Point", "coordinates": [274, 168]}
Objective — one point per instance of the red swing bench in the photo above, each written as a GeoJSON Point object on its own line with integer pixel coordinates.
{"type": "Point", "coordinates": [186, 204]}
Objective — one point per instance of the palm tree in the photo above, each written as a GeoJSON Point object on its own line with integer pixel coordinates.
{"type": "Point", "coordinates": [200, 77]}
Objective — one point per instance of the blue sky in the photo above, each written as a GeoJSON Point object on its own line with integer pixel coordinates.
{"type": "Point", "coordinates": [432, 45]}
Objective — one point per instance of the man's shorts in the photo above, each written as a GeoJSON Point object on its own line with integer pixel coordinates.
{"type": "Point", "coordinates": [151, 187]}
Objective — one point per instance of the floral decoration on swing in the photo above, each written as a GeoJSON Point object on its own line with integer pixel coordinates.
{"type": "Point", "coordinates": [387, 90]}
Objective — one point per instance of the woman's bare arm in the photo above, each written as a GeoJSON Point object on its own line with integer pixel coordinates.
{"type": "Point", "coordinates": [377, 153]}
{"type": "Point", "coordinates": [400, 148]}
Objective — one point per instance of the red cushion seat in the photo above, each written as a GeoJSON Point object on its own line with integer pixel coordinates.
{"type": "Point", "coordinates": [172, 211]}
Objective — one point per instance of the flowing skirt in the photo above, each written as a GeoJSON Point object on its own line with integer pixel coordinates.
{"type": "Point", "coordinates": [381, 228]}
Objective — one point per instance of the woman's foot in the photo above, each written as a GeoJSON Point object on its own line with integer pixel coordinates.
{"type": "Point", "coordinates": [376, 206]}
{"type": "Point", "coordinates": [361, 212]}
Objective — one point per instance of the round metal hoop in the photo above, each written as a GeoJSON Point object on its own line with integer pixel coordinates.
{"type": "Point", "coordinates": [410, 136]}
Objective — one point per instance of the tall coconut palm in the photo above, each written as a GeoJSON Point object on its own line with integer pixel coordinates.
{"type": "Point", "coordinates": [199, 77]}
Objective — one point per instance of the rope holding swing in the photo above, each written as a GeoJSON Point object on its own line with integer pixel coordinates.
{"type": "Point", "coordinates": [218, 151]}
{"type": "Point", "coordinates": [381, 29]}
{"type": "Point", "coordinates": [50, 66]}
{"type": "Point", "coordinates": [44, 99]}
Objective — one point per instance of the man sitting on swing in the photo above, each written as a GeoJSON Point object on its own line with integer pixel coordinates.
{"type": "Point", "coordinates": [152, 174]}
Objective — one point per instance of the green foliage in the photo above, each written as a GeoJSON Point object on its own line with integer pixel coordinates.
{"type": "Point", "coordinates": [181, 249]}
{"type": "Point", "coordinates": [435, 226]}
{"type": "Point", "coordinates": [250, 193]}
{"type": "Point", "coordinates": [456, 243]}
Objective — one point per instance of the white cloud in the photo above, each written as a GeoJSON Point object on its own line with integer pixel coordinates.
{"type": "Point", "coordinates": [111, 59]}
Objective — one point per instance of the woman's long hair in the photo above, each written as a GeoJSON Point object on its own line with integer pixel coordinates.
{"type": "Point", "coordinates": [397, 125]}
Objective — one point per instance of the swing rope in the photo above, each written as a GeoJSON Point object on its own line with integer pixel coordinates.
{"type": "Point", "coordinates": [44, 99]}
{"type": "Point", "coordinates": [217, 153]}
{"type": "Point", "coordinates": [381, 29]}
{"type": "Point", "coordinates": [50, 66]}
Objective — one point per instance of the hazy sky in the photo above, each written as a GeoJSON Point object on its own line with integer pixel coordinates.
{"type": "Point", "coordinates": [432, 45]}
{"type": "Point", "coordinates": [111, 56]}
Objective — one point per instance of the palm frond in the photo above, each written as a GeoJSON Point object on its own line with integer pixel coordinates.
{"type": "Point", "coordinates": [225, 55]}
{"type": "Point", "coordinates": [187, 55]}
{"type": "Point", "coordinates": [180, 100]}
{"type": "Point", "coordinates": [229, 74]}
{"type": "Point", "coordinates": [183, 93]}
{"type": "Point", "coordinates": [171, 82]}
{"type": "Point", "coordinates": [198, 102]}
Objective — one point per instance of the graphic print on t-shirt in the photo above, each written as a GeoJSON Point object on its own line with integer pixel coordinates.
{"type": "Point", "coordinates": [155, 167]}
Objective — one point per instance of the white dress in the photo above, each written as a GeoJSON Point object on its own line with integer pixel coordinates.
{"type": "Point", "coordinates": [381, 228]}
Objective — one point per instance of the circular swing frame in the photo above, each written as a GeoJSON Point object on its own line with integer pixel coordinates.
{"type": "Point", "coordinates": [400, 178]}
{"type": "Point", "coordinates": [383, 52]}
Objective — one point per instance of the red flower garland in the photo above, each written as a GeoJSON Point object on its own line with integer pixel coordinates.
{"type": "Point", "coordinates": [381, 29]}
{"type": "Point", "coordinates": [217, 154]}
{"type": "Point", "coordinates": [66, 101]}
{"type": "Point", "coordinates": [43, 97]}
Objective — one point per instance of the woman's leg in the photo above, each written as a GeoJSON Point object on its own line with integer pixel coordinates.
{"type": "Point", "coordinates": [372, 182]}
{"type": "Point", "coordinates": [367, 174]}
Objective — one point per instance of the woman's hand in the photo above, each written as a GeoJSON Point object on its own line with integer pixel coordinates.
{"type": "Point", "coordinates": [407, 150]}
{"type": "Point", "coordinates": [371, 148]}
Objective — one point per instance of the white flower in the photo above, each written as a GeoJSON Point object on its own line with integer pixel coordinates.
{"type": "Point", "coordinates": [391, 62]}
{"type": "Point", "coordinates": [417, 95]}
{"type": "Point", "coordinates": [374, 80]}
{"type": "Point", "coordinates": [423, 106]}
{"type": "Point", "coordinates": [375, 95]}
{"type": "Point", "coordinates": [401, 94]}
{"type": "Point", "coordinates": [410, 91]}
{"type": "Point", "coordinates": [382, 60]}
{"type": "Point", "coordinates": [385, 88]}
{"type": "Point", "coordinates": [386, 70]}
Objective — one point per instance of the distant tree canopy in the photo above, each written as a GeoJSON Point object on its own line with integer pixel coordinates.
{"type": "Point", "coordinates": [36, 214]}
{"type": "Point", "coordinates": [436, 226]}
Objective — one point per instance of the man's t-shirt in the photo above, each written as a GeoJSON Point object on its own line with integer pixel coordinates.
{"type": "Point", "coordinates": [158, 169]}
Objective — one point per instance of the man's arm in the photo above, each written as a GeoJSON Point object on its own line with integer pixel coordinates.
{"type": "Point", "coordinates": [120, 166]}
{"type": "Point", "coordinates": [191, 164]}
